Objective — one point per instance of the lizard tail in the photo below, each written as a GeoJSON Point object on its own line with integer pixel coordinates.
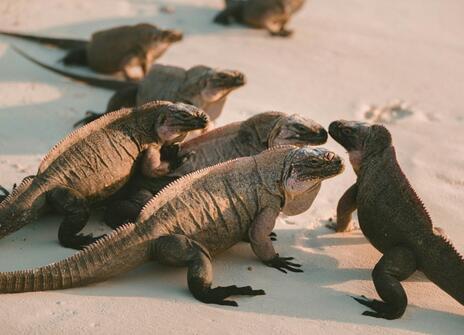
{"type": "Point", "coordinates": [443, 265]}
{"type": "Point", "coordinates": [62, 43]}
{"type": "Point", "coordinates": [22, 206]}
{"type": "Point", "coordinates": [76, 57]}
{"type": "Point", "coordinates": [118, 252]}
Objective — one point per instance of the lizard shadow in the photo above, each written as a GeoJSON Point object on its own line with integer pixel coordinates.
{"type": "Point", "coordinates": [324, 283]}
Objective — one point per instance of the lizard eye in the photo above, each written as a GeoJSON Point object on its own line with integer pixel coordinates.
{"type": "Point", "coordinates": [347, 131]}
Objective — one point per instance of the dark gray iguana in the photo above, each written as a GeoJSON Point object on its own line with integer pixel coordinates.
{"type": "Point", "coordinates": [195, 218]}
{"type": "Point", "coordinates": [272, 15]}
{"type": "Point", "coordinates": [394, 220]}
{"type": "Point", "coordinates": [94, 162]}
{"type": "Point", "coordinates": [130, 49]}
{"type": "Point", "coordinates": [201, 86]}
{"type": "Point", "coordinates": [239, 139]}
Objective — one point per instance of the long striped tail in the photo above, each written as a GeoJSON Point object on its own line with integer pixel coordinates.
{"type": "Point", "coordinates": [22, 206]}
{"type": "Point", "coordinates": [62, 43]}
{"type": "Point", "coordinates": [443, 265]}
{"type": "Point", "coordinates": [116, 253]}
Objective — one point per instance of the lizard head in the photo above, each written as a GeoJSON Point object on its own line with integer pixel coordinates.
{"type": "Point", "coordinates": [171, 35]}
{"type": "Point", "coordinates": [177, 119]}
{"type": "Point", "coordinates": [305, 168]}
{"type": "Point", "coordinates": [218, 83]}
{"type": "Point", "coordinates": [360, 139]}
{"type": "Point", "coordinates": [296, 130]}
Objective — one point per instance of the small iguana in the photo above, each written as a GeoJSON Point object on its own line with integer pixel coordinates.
{"type": "Point", "coordinates": [201, 86]}
{"type": "Point", "coordinates": [238, 139]}
{"type": "Point", "coordinates": [94, 162]}
{"type": "Point", "coordinates": [130, 49]}
{"type": "Point", "coordinates": [394, 220]}
{"type": "Point", "coordinates": [272, 15]}
{"type": "Point", "coordinates": [197, 217]}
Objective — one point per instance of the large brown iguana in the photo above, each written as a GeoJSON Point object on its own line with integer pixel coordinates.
{"type": "Point", "coordinates": [195, 218]}
{"type": "Point", "coordinates": [201, 86]}
{"type": "Point", "coordinates": [394, 220]}
{"type": "Point", "coordinates": [130, 49]}
{"type": "Point", "coordinates": [238, 139]}
{"type": "Point", "coordinates": [272, 15]}
{"type": "Point", "coordinates": [94, 162]}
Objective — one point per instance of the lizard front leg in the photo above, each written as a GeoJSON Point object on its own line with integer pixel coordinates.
{"type": "Point", "coordinates": [346, 206]}
{"type": "Point", "coordinates": [179, 250]}
{"type": "Point", "coordinates": [261, 243]}
{"type": "Point", "coordinates": [152, 165]}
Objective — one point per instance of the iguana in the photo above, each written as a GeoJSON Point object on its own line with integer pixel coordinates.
{"type": "Point", "coordinates": [394, 220]}
{"type": "Point", "coordinates": [272, 15]}
{"type": "Point", "coordinates": [94, 162]}
{"type": "Point", "coordinates": [239, 139]}
{"type": "Point", "coordinates": [201, 86]}
{"type": "Point", "coordinates": [197, 217]}
{"type": "Point", "coordinates": [130, 49]}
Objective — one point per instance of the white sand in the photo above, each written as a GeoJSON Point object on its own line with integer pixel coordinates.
{"type": "Point", "coordinates": [345, 55]}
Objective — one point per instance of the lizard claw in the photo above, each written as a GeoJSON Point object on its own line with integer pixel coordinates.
{"type": "Point", "coordinates": [380, 308]}
{"type": "Point", "coordinates": [283, 263]}
{"type": "Point", "coordinates": [273, 236]}
{"type": "Point", "coordinates": [89, 117]}
{"type": "Point", "coordinates": [219, 294]}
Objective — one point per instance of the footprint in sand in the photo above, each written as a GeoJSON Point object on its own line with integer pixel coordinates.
{"type": "Point", "coordinates": [389, 113]}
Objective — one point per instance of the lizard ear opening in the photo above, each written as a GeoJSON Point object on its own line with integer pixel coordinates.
{"type": "Point", "coordinates": [378, 138]}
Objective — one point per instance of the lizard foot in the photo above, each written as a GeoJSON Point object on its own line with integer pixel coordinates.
{"type": "Point", "coordinates": [273, 236]}
{"type": "Point", "coordinates": [381, 309]}
{"type": "Point", "coordinates": [282, 33]}
{"type": "Point", "coordinates": [283, 263]}
{"type": "Point", "coordinates": [89, 117]}
{"type": "Point", "coordinates": [80, 241]}
{"type": "Point", "coordinates": [218, 294]}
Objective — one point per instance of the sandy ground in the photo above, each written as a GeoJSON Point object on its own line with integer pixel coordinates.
{"type": "Point", "coordinates": [345, 55]}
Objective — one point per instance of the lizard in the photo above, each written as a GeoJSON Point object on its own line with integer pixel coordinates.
{"type": "Point", "coordinates": [271, 15]}
{"type": "Point", "coordinates": [94, 162]}
{"type": "Point", "coordinates": [201, 86]}
{"type": "Point", "coordinates": [238, 139]}
{"type": "Point", "coordinates": [194, 219]}
{"type": "Point", "coordinates": [394, 220]}
{"type": "Point", "coordinates": [128, 49]}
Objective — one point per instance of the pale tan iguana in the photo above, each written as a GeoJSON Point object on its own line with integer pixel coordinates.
{"type": "Point", "coordinates": [197, 217]}
{"type": "Point", "coordinates": [239, 139]}
{"type": "Point", "coordinates": [94, 162]}
{"type": "Point", "coordinates": [130, 49]}
{"type": "Point", "coordinates": [272, 15]}
{"type": "Point", "coordinates": [201, 86]}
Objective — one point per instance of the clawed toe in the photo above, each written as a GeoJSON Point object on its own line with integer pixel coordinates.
{"type": "Point", "coordinates": [283, 264]}
{"type": "Point", "coordinates": [380, 309]}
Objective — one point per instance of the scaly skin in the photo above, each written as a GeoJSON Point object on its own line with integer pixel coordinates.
{"type": "Point", "coordinates": [201, 86]}
{"type": "Point", "coordinates": [197, 217]}
{"type": "Point", "coordinates": [130, 49]}
{"type": "Point", "coordinates": [394, 220]}
{"type": "Point", "coordinates": [271, 15]}
{"type": "Point", "coordinates": [239, 139]}
{"type": "Point", "coordinates": [94, 162]}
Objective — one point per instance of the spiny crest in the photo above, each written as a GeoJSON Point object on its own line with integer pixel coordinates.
{"type": "Point", "coordinates": [118, 232]}
{"type": "Point", "coordinates": [150, 204]}
{"type": "Point", "coordinates": [16, 191]}
{"type": "Point", "coordinates": [450, 245]}
{"type": "Point", "coordinates": [79, 133]}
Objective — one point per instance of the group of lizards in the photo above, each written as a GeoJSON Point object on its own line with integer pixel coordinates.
{"type": "Point", "coordinates": [180, 202]}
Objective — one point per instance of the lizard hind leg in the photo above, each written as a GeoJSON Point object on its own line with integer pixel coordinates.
{"type": "Point", "coordinates": [76, 214]}
{"type": "Point", "coordinates": [397, 264]}
{"type": "Point", "coordinates": [179, 250]}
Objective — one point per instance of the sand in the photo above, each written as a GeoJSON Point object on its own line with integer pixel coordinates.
{"type": "Point", "coordinates": [345, 57]}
